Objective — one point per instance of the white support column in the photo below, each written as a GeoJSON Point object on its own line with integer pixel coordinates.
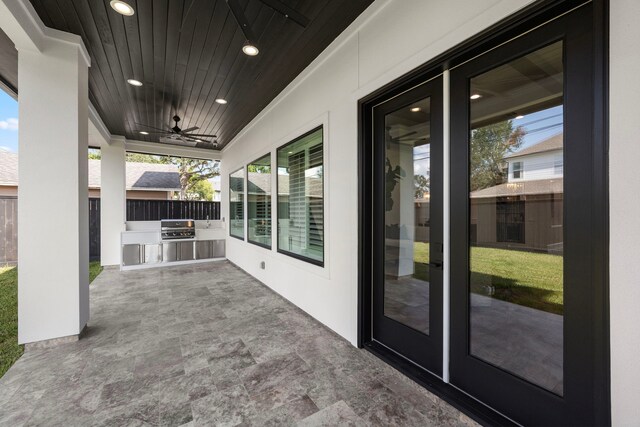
{"type": "Point", "coordinates": [53, 284]}
{"type": "Point", "coordinates": [113, 196]}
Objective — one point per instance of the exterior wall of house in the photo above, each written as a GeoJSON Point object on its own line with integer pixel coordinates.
{"type": "Point", "coordinates": [8, 191]}
{"type": "Point", "coordinates": [148, 195]}
{"type": "Point", "coordinates": [537, 166]}
{"type": "Point", "coordinates": [389, 39]}
{"type": "Point", "coordinates": [363, 59]}
{"type": "Point", "coordinates": [624, 180]}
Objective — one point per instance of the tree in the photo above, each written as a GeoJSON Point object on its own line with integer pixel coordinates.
{"type": "Point", "coordinates": [193, 171]}
{"type": "Point", "coordinates": [258, 169]}
{"type": "Point", "coordinates": [421, 185]}
{"type": "Point", "coordinates": [94, 154]}
{"type": "Point", "coordinates": [489, 146]}
{"type": "Point", "coordinates": [201, 190]}
{"type": "Point", "coordinates": [146, 158]}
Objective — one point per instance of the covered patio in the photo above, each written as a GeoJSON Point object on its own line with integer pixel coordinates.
{"type": "Point", "coordinates": [208, 344]}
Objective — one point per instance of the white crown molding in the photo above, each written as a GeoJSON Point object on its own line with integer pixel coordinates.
{"type": "Point", "coordinates": [171, 150]}
{"type": "Point", "coordinates": [20, 21]}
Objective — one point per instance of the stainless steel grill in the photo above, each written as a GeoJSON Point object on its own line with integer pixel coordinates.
{"type": "Point", "coordinates": [178, 229]}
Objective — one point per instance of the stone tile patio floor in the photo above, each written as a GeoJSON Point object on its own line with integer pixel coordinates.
{"type": "Point", "coordinates": [207, 344]}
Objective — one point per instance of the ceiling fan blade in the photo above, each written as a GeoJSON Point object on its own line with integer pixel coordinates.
{"type": "Point", "coordinates": [403, 136]}
{"type": "Point", "coordinates": [241, 19]}
{"type": "Point", "coordinates": [190, 129]}
{"type": "Point", "coordinates": [288, 12]}
{"type": "Point", "coordinates": [147, 126]}
{"type": "Point", "coordinates": [195, 135]}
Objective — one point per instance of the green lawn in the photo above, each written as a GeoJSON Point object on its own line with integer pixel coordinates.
{"type": "Point", "coordinates": [10, 351]}
{"type": "Point", "coordinates": [525, 278]}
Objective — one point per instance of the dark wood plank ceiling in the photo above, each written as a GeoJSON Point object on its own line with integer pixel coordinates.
{"type": "Point", "coordinates": [188, 53]}
{"type": "Point", "coordinates": [8, 64]}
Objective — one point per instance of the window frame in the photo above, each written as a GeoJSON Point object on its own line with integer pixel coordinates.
{"type": "Point", "coordinates": [270, 197]}
{"type": "Point", "coordinates": [244, 208]}
{"type": "Point", "coordinates": [277, 196]}
{"type": "Point", "coordinates": [520, 170]}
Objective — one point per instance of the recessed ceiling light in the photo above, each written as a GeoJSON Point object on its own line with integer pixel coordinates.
{"type": "Point", "coordinates": [122, 8]}
{"type": "Point", "coordinates": [250, 49]}
{"type": "Point", "coordinates": [221, 101]}
{"type": "Point", "coordinates": [476, 96]}
{"type": "Point", "coordinates": [519, 116]}
{"type": "Point", "coordinates": [198, 140]}
{"type": "Point", "coordinates": [416, 109]}
{"type": "Point", "coordinates": [134, 82]}
{"type": "Point", "coordinates": [142, 132]}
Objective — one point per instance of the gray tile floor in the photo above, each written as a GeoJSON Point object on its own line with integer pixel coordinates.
{"type": "Point", "coordinates": [206, 344]}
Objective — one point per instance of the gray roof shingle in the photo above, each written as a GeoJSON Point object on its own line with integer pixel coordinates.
{"type": "Point", "coordinates": [521, 188]}
{"type": "Point", "coordinates": [140, 176]}
{"type": "Point", "coordinates": [550, 144]}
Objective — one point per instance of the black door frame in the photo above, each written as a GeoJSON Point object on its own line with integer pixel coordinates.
{"type": "Point", "coordinates": [511, 27]}
{"type": "Point", "coordinates": [387, 331]}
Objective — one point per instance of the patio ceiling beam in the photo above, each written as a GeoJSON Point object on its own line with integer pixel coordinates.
{"type": "Point", "coordinates": [172, 150]}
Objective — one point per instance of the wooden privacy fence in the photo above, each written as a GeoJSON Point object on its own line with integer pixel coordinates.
{"type": "Point", "coordinates": [8, 230]}
{"type": "Point", "coordinates": [155, 210]}
{"type": "Point", "coordinates": [137, 210]}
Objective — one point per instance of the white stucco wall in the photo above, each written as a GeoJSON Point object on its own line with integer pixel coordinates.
{"type": "Point", "coordinates": [389, 39]}
{"type": "Point", "coordinates": [624, 181]}
{"type": "Point", "coordinates": [364, 58]}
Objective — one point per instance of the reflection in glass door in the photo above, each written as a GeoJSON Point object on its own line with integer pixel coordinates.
{"type": "Point", "coordinates": [516, 188]}
{"type": "Point", "coordinates": [408, 182]}
{"type": "Point", "coordinates": [407, 214]}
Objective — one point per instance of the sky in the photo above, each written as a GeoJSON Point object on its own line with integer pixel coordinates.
{"type": "Point", "coordinates": [8, 123]}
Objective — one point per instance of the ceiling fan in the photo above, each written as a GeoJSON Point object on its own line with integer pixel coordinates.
{"type": "Point", "coordinates": [176, 134]}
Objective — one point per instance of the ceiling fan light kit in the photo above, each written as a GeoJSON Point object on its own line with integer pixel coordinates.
{"type": "Point", "coordinates": [176, 135]}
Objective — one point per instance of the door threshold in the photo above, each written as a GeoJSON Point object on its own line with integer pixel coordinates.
{"type": "Point", "coordinates": [463, 402]}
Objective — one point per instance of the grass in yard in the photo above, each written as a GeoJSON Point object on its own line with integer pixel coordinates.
{"type": "Point", "coordinates": [94, 269]}
{"type": "Point", "coordinates": [10, 351]}
{"type": "Point", "coordinates": [526, 278]}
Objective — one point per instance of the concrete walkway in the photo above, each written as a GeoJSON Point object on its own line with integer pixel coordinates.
{"type": "Point", "coordinates": [207, 344]}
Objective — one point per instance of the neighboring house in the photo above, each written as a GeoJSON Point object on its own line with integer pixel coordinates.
{"type": "Point", "coordinates": [525, 212]}
{"type": "Point", "coordinates": [541, 161]}
{"type": "Point", "coordinates": [148, 181]}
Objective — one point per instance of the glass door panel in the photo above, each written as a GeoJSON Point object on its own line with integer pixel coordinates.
{"type": "Point", "coordinates": [523, 294]}
{"type": "Point", "coordinates": [407, 217]}
{"type": "Point", "coordinates": [516, 163]}
{"type": "Point", "coordinates": [407, 196]}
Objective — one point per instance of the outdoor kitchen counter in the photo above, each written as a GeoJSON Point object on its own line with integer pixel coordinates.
{"type": "Point", "coordinates": [143, 247]}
